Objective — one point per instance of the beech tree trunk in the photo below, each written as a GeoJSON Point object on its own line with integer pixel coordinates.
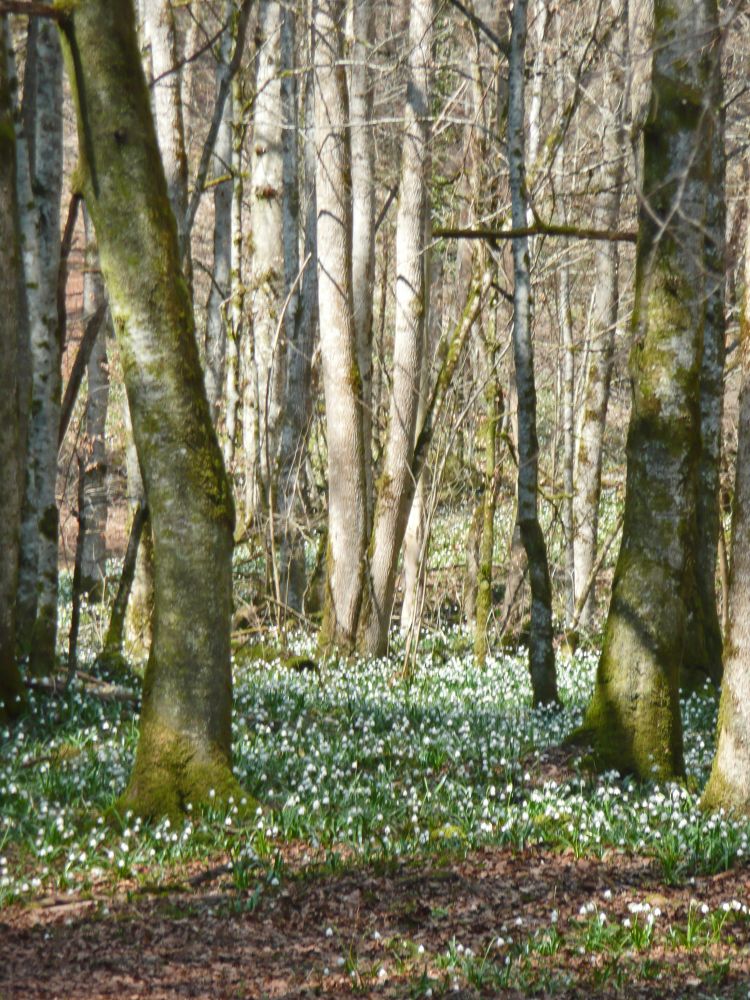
{"type": "Point", "coordinates": [396, 487]}
{"type": "Point", "coordinates": [703, 643]}
{"type": "Point", "coordinates": [363, 218]}
{"type": "Point", "coordinates": [184, 746]}
{"type": "Point", "coordinates": [729, 784]}
{"type": "Point", "coordinates": [219, 305]}
{"type": "Point", "coordinates": [347, 492]}
{"type": "Point", "coordinates": [588, 463]}
{"type": "Point", "coordinates": [634, 716]}
{"type": "Point", "coordinates": [12, 331]}
{"type": "Point", "coordinates": [159, 27]}
{"type": "Point", "coordinates": [40, 183]}
{"type": "Point", "coordinates": [541, 653]}
{"type": "Point", "coordinates": [300, 331]}
{"type": "Point", "coordinates": [267, 284]}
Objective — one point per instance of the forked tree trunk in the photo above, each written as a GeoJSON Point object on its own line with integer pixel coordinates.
{"type": "Point", "coordinates": [634, 716]}
{"type": "Point", "coordinates": [184, 747]}
{"type": "Point", "coordinates": [541, 653]}
{"type": "Point", "coordinates": [347, 503]}
{"type": "Point", "coordinates": [40, 180]}
{"type": "Point", "coordinates": [396, 486]}
{"type": "Point", "coordinates": [729, 784]}
{"type": "Point", "coordinates": [12, 331]}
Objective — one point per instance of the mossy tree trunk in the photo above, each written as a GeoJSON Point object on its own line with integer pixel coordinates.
{"type": "Point", "coordinates": [729, 783]}
{"type": "Point", "coordinates": [185, 728]}
{"type": "Point", "coordinates": [12, 330]}
{"type": "Point", "coordinates": [541, 653]}
{"type": "Point", "coordinates": [634, 716]}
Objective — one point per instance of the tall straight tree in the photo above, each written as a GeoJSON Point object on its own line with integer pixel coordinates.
{"type": "Point", "coordinates": [347, 494]}
{"type": "Point", "coordinates": [396, 487]}
{"type": "Point", "coordinates": [729, 784]}
{"type": "Point", "coordinates": [12, 330]}
{"type": "Point", "coordinates": [634, 716]}
{"type": "Point", "coordinates": [588, 467]}
{"type": "Point", "coordinates": [184, 746]}
{"type": "Point", "coordinates": [40, 183]}
{"type": "Point", "coordinates": [265, 370]}
{"type": "Point", "coordinates": [541, 653]}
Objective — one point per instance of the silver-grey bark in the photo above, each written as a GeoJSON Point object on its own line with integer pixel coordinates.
{"type": "Point", "coordinates": [40, 184]}
{"type": "Point", "coordinates": [541, 653]}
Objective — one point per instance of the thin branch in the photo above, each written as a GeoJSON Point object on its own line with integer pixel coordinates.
{"type": "Point", "coordinates": [30, 8]}
{"type": "Point", "coordinates": [538, 229]}
{"type": "Point", "coordinates": [480, 25]}
{"type": "Point", "coordinates": [583, 596]}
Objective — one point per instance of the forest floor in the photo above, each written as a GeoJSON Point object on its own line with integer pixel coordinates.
{"type": "Point", "coordinates": [419, 835]}
{"type": "Point", "coordinates": [402, 929]}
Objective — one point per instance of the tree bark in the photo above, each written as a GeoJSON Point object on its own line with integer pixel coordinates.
{"type": "Point", "coordinates": [703, 642]}
{"type": "Point", "coordinates": [729, 783]}
{"type": "Point", "coordinates": [363, 218]}
{"type": "Point", "coordinates": [396, 488]}
{"type": "Point", "coordinates": [184, 747]}
{"type": "Point", "coordinates": [94, 514]}
{"type": "Point", "coordinates": [12, 331]}
{"type": "Point", "coordinates": [159, 27]}
{"type": "Point", "coordinates": [541, 653]}
{"type": "Point", "coordinates": [301, 328]}
{"type": "Point", "coordinates": [634, 716]}
{"type": "Point", "coordinates": [588, 464]}
{"type": "Point", "coordinates": [218, 305]}
{"type": "Point", "coordinates": [40, 181]}
{"type": "Point", "coordinates": [267, 278]}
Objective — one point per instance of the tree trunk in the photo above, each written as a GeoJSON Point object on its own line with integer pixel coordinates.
{"type": "Point", "coordinates": [301, 338]}
{"type": "Point", "coordinates": [541, 653]}
{"type": "Point", "coordinates": [729, 784]}
{"type": "Point", "coordinates": [237, 333]}
{"type": "Point", "coordinates": [218, 306]}
{"type": "Point", "coordinates": [347, 503]}
{"type": "Point", "coordinates": [492, 415]}
{"type": "Point", "coordinates": [40, 183]}
{"type": "Point", "coordinates": [396, 487]}
{"type": "Point", "coordinates": [588, 467]}
{"type": "Point", "coordinates": [267, 279]}
{"type": "Point", "coordinates": [94, 514]}
{"type": "Point", "coordinates": [184, 747]}
{"type": "Point", "coordinates": [703, 642]}
{"type": "Point", "coordinates": [634, 715]}
{"type": "Point", "coordinates": [12, 331]}
{"type": "Point", "coordinates": [166, 93]}
{"type": "Point", "coordinates": [363, 218]}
